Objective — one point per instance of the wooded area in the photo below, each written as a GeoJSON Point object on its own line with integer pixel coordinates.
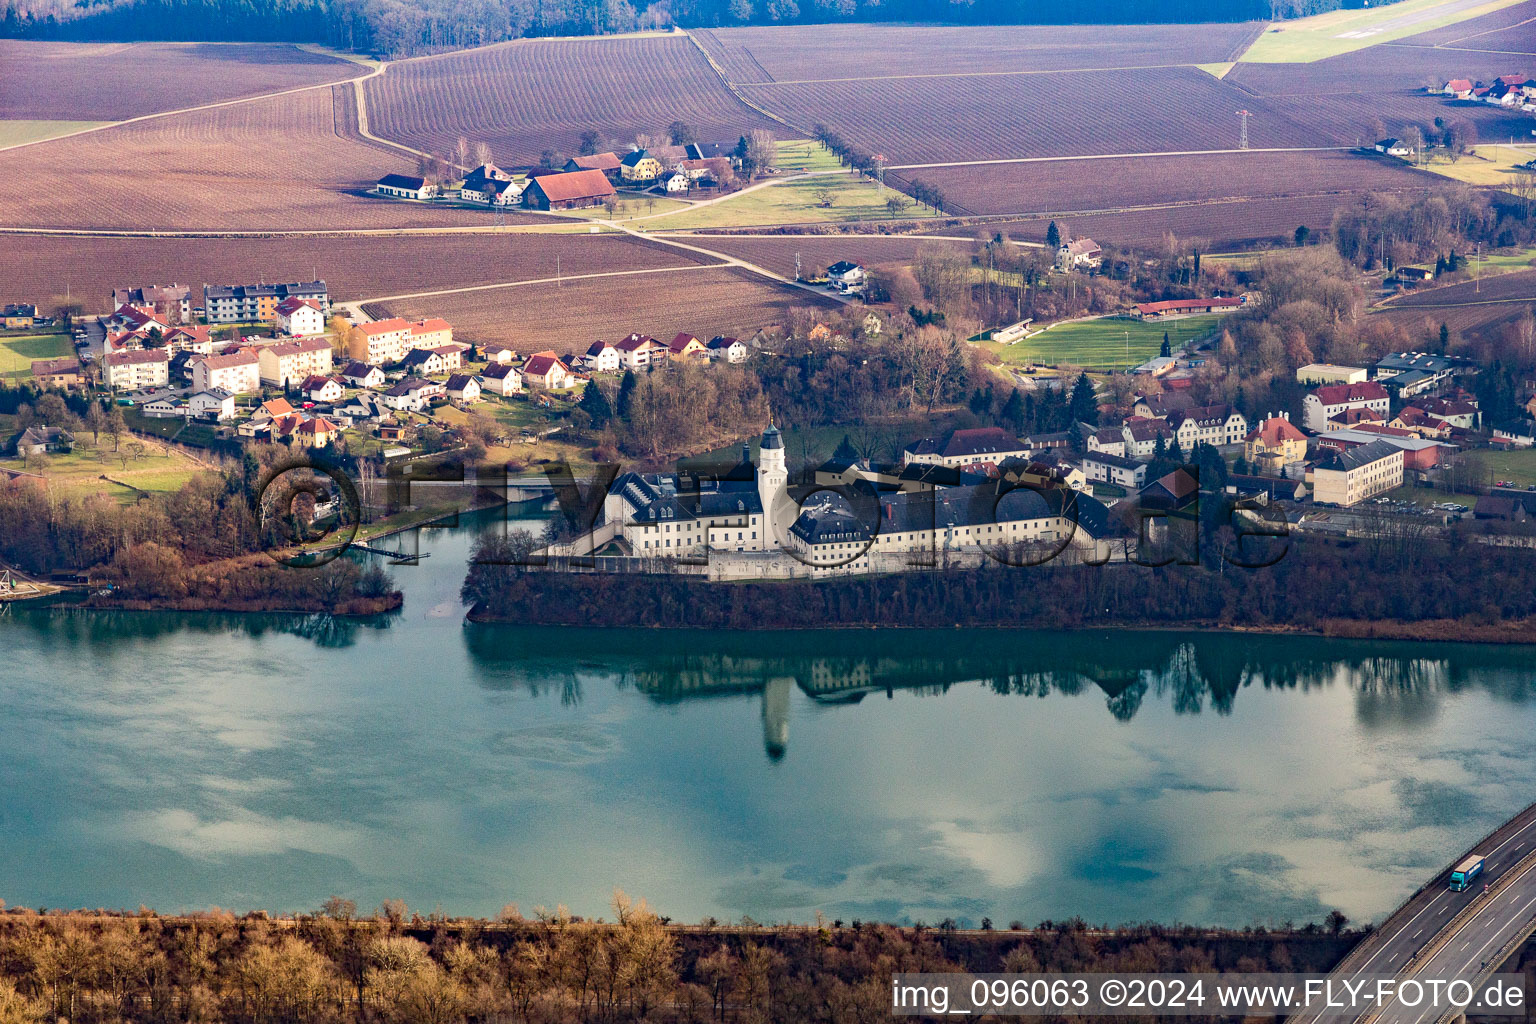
{"type": "Point", "coordinates": [403, 27]}
{"type": "Point", "coordinates": [552, 967]}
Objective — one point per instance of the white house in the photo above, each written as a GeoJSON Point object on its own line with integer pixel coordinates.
{"type": "Point", "coordinates": [602, 357]}
{"type": "Point", "coordinates": [847, 277]}
{"type": "Point", "coordinates": [546, 369]}
{"type": "Point", "coordinates": [239, 373]}
{"type": "Point", "coordinates": [362, 375]}
{"type": "Point", "coordinates": [638, 350]}
{"type": "Point", "coordinates": [299, 318]}
{"type": "Point", "coordinates": [492, 192]}
{"type": "Point", "coordinates": [1211, 424]}
{"type": "Point", "coordinates": [501, 379]}
{"type": "Point", "coordinates": [1350, 477]}
{"type": "Point", "coordinates": [732, 350]}
{"type": "Point", "coordinates": [679, 182]}
{"type": "Point", "coordinates": [496, 352]}
{"type": "Point", "coordinates": [212, 404]}
{"type": "Point", "coordinates": [1115, 469]}
{"type": "Point", "coordinates": [405, 186]}
{"type": "Point", "coordinates": [1080, 252]}
{"type": "Point", "coordinates": [321, 389]}
{"type": "Point", "coordinates": [1394, 147]}
{"type": "Point", "coordinates": [413, 394]}
{"type": "Point", "coordinates": [1324, 403]}
{"type": "Point", "coordinates": [463, 388]}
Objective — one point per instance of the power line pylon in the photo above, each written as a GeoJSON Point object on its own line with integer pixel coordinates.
{"type": "Point", "coordinates": [1242, 138]}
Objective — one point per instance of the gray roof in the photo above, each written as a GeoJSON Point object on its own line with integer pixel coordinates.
{"type": "Point", "coordinates": [1361, 456]}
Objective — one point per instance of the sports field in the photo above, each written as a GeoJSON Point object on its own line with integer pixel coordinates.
{"type": "Point", "coordinates": [1110, 343]}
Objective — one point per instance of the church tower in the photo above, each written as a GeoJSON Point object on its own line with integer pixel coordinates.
{"type": "Point", "coordinates": [772, 483]}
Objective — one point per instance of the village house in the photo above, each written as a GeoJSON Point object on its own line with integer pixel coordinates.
{"type": "Point", "coordinates": [731, 350]}
{"type": "Point", "coordinates": [289, 362]}
{"type": "Point", "coordinates": [1328, 373]}
{"type": "Point", "coordinates": [639, 350]}
{"type": "Point", "coordinates": [678, 181]}
{"type": "Point", "coordinates": [362, 375]}
{"type": "Point", "coordinates": [1457, 88]}
{"type": "Point", "coordinates": [1275, 444]}
{"type": "Point", "coordinates": [1079, 254]}
{"type": "Point", "coordinates": [570, 190]}
{"type": "Point", "coordinates": [1417, 275]}
{"type": "Point", "coordinates": [1102, 467]}
{"type": "Point", "coordinates": [1142, 434]}
{"type": "Point", "coordinates": [1394, 147]}
{"type": "Point", "coordinates": [433, 332]}
{"type": "Point", "coordinates": [602, 357]}
{"type": "Point", "coordinates": [463, 388]}
{"type": "Point", "coordinates": [1331, 400]}
{"type": "Point", "coordinates": [501, 379]}
{"type": "Point", "coordinates": [196, 339]}
{"type": "Point", "coordinates": [1172, 309]}
{"type": "Point", "coordinates": [57, 373]}
{"type": "Point", "coordinates": [172, 303]}
{"type": "Point", "coordinates": [1499, 508]}
{"type": "Point", "coordinates": [405, 186]}
{"type": "Point", "coordinates": [135, 320]}
{"type": "Point", "coordinates": [1455, 412]}
{"type": "Point", "coordinates": [238, 372]}
{"type": "Point", "coordinates": [496, 352]}
{"type": "Point", "coordinates": [423, 362]}
{"type": "Point", "coordinates": [977, 449]}
{"type": "Point", "coordinates": [1209, 424]}
{"type": "Point", "coordinates": [640, 166]}
{"type": "Point", "coordinates": [318, 388]}
{"type": "Point", "coordinates": [40, 440]}
{"type": "Point", "coordinates": [547, 370]}
{"type": "Point", "coordinates": [607, 163]}
{"type": "Point", "coordinates": [1420, 454]}
{"type": "Point", "coordinates": [847, 277]}
{"type": "Point", "coordinates": [380, 342]}
{"type": "Point", "coordinates": [18, 316]}
{"type": "Point", "coordinates": [257, 303]}
{"type": "Point", "coordinates": [298, 317]}
{"type": "Point", "coordinates": [1515, 434]}
{"type": "Point", "coordinates": [1350, 477]}
{"type": "Point", "coordinates": [413, 394]}
{"type": "Point", "coordinates": [484, 173]}
{"type": "Point", "coordinates": [317, 432]}
{"type": "Point", "coordinates": [1411, 373]}
{"type": "Point", "coordinates": [492, 192]}
{"type": "Point", "coordinates": [688, 349]}
{"type": "Point", "coordinates": [1108, 440]}
{"type": "Point", "coordinates": [136, 369]}
{"type": "Point", "coordinates": [210, 404]}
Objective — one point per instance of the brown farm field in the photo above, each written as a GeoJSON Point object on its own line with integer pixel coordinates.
{"type": "Point", "coordinates": [49, 81]}
{"type": "Point", "coordinates": [1471, 33]}
{"type": "Point", "coordinates": [568, 318]}
{"type": "Point", "coordinates": [354, 266]}
{"type": "Point", "coordinates": [1469, 308]}
{"type": "Point", "coordinates": [820, 52]}
{"type": "Point", "coordinates": [979, 117]}
{"type": "Point", "coordinates": [1236, 224]}
{"type": "Point", "coordinates": [282, 163]}
{"type": "Point", "coordinates": [527, 96]}
{"type": "Point", "coordinates": [1341, 98]}
{"type": "Point", "coordinates": [1120, 183]}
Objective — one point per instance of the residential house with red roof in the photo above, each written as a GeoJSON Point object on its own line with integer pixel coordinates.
{"type": "Point", "coordinates": [547, 370]}
{"type": "Point", "coordinates": [568, 190]}
{"type": "Point", "coordinates": [300, 318]}
{"type": "Point", "coordinates": [1325, 403]}
{"type": "Point", "coordinates": [238, 372]}
{"type": "Point", "coordinates": [1273, 445]}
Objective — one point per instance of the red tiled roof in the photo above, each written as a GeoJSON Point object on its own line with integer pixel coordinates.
{"type": "Point", "coordinates": [138, 355]}
{"type": "Point", "coordinates": [1342, 394]}
{"type": "Point", "coordinates": [1274, 430]}
{"type": "Point", "coordinates": [539, 365]}
{"type": "Point", "coordinates": [571, 185]}
{"type": "Point", "coordinates": [241, 357]}
{"type": "Point", "coordinates": [597, 162]}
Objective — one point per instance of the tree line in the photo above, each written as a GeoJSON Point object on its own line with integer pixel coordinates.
{"type": "Point", "coordinates": [337, 967]}
{"type": "Point", "coordinates": [403, 27]}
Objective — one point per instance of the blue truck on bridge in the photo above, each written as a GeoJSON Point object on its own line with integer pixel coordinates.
{"type": "Point", "coordinates": [1463, 874]}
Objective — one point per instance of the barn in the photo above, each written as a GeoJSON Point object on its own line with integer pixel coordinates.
{"type": "Point", "coordinates": [569, 190]}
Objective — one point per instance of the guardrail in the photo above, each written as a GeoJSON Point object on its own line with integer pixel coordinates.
{"type": "Point", "coordinates": [1369, 943]}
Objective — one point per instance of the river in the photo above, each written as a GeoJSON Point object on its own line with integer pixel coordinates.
{"type": "Point", "coordinates": [183, 761]}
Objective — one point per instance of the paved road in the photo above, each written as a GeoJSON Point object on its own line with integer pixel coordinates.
{"type": "Point", "coordinates": [1417, 927]}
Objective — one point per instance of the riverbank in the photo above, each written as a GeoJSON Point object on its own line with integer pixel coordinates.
{"type": "Point", "coordinates": [1321, 588]}
{"type": "Point", "coordinates": [155, 580]}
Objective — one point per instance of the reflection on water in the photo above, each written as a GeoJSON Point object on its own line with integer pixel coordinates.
{"type": "Point", "coordinates": [273, 761]}
{"type": "Point", "coordinates": [1395, 685]}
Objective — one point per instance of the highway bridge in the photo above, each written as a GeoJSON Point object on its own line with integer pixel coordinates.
{"type": "Point", "coordinates": [1448, 935]}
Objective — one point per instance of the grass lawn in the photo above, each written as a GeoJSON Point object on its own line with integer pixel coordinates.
{"type": "Point", "coordinates": [801, 156]}
{"type": "Point", "coordinates": [17, 353]}
{"type": "Point", "coordinates": [1518, 466]}
{"type": "Point", "coordinates": [1425, 496]}
{"type": "Point", "coordinates": [1102, 344]}
{"type": "Point", "coordinates": [81, 471]}
{"type": "Point", "coordinates": [1487, 165]}
{"type": "Point", "coordinates": [630, 206]}
{"type": "Point", "coordinates": [19, 133]}
{"type": "Point", "coordinates": [1328, 35]}
{"type": "Point", "coordinates": [853, 198]}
